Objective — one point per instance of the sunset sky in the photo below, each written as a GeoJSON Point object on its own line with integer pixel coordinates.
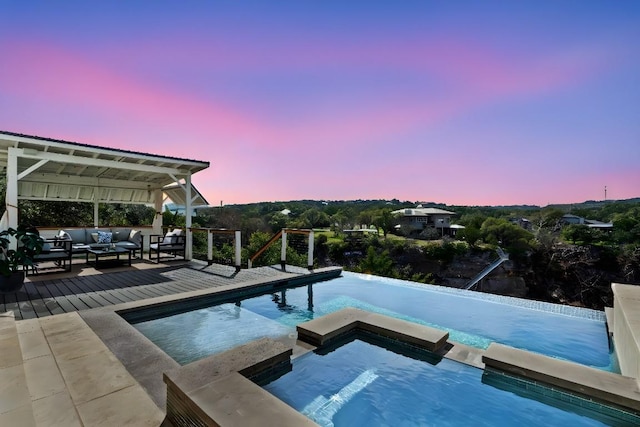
{"type": "Point", "coordinates": [461, 102]}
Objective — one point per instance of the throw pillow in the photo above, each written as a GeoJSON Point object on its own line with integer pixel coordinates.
{"type": "Point", "coordinates": [135, 236]}
{"type": "Point", "coordinates": [115, 237]}
{"type": "Point", "coordinates": [104, 237]}
{"type": "Point", "coordinates": [94, 236]}
{"type": "Point", "coordinates": [169, 238]}
{"type": "Point", "coordinates": [62, 235]}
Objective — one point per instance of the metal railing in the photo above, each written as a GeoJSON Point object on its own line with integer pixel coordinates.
{"type": "Point", "coordinates": [283, 251]}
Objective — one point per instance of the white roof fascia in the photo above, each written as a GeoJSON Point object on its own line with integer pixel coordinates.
{"type": "Point", "coordinates": [92, 161]}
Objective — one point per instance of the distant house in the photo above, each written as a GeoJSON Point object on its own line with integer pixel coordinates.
{"type": "Point", "coordinates": [591, 223]}
{"type": "Point", "coordinates": [522, 222]}
{"type": "Point", "coordinates": [572, 219]}
{"type": "Point", "coordinates": [415, 220]}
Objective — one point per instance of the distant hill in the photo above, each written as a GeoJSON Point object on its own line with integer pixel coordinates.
{"type": "Point", "coordinates": [589, 204]}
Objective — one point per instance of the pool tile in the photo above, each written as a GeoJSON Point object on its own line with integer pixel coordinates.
{"type": "Point", "coordinates": [75, 343]}
{"type": "Point", "coordinates": [19, 417]}
{"type": "Point", "coordinates": [61, 323]}
{"type": "Point", "coordinates": [13, 389]}
{"type": "Point", "coordinates": [33, 344]}
{"type": "Point", "coordinates": [130, 406]}
{"type": "Point", "coordinates": [10, 354]}
{"type": "Point", "coordinates": [43, 377]}
{"type": "Point", "coordinates": [56, 410]}
{"type": "Point", "coordinates": [29, 325]}
{"type": "Point", "coordinates": [94, 375]}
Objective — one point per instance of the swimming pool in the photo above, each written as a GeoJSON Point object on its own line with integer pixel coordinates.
{"type": "Point", "coordinates": [472, 318]}
{"type": "Point", "coordinates": [361, 380]}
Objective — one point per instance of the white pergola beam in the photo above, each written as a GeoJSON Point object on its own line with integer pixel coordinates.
{"type": "Point", "coordinates": [91, 161]}
{"type": "Point", "coordinates": [89, 181]}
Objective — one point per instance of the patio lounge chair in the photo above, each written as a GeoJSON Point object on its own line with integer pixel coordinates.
{"type": "Point", "coordinates": [173, 243]}
{"type": "Point", "coordinates": [55, 250]}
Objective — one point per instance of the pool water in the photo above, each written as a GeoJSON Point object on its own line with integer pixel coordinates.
{"type": "Point", "coordinates": [360, 383]}
{"type": "Point", "coordinates": [472, 318]}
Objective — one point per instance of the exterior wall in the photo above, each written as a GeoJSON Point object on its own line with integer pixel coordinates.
{"type": "Point", "coordinates": [436, 221]}
{"type": "Point", "coordinates": [626, 328]}
{"type": "Point", "coordinates": [410, 223]}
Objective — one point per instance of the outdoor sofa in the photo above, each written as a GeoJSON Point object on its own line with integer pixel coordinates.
{"type": "Point", "coordinates": [91, 238]}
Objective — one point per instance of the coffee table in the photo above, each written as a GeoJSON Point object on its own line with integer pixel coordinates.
{"type": "Point", "coordinates": [105, 256]}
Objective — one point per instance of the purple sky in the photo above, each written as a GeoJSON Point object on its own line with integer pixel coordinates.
{"type": "Point", "coordinates": [466, 102]}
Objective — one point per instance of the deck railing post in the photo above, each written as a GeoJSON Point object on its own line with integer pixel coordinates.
{"type": "Point", "coordinates": [283, 251]}
{"type": "Point", "coordinates": [209, 247]}
{"type": "Point", "coordinates": [310, 254]}
{"type": "Point", "coordinates": [239, 250]}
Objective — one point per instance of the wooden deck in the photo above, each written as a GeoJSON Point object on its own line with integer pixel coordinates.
{"type": "Point", "coordinates": [85, 287]}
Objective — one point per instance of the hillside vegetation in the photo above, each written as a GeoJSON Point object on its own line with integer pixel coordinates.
{"type": "Point", "coordinates": [549, 260]}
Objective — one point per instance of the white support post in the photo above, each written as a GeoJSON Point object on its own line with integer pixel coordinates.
{"type": "Point", "coordinates": [11, 196]}
{"type": "Point", "coordinates": [310, 254]}
{"type": "Point", "coordinates": [157, 219]}
{"type": "Point", "coordinates": [209, 247]}
{"type": "Point", "coordinates": [238, 245]}
{"type": "Point", "coordinates": [96, 209]}
{"type": "Point", "coordinates": [188, 211]}
{"type": "Point", "coordinates": [283, 250]}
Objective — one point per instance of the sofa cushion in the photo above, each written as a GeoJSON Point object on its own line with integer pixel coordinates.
{"type": "Point", "coordinates": [76, 234]}
{"type": "Point", "coordinates": [127, 244]}
{"type": "Point", "coordinates": [120, 233]}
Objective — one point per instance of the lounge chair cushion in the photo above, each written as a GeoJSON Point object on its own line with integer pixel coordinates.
{"type": "Point", "coordinates": [171, 237]}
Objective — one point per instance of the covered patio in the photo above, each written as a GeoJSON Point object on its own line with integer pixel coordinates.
{"type": "Point", "coordinates": [47, 169]}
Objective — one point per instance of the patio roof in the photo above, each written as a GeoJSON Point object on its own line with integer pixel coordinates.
{"type": "Point", "coordinates": [48, 169]}
{"type": "Point", "coordinates": [51, 169]}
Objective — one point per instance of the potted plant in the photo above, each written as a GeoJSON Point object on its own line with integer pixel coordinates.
{"type": "Point", "coordinates": [13, 262]}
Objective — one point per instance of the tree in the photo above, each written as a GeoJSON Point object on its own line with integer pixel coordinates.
{"type": "Point", "coordinates": [278, 221]}
{"type": "Point", "coordinates": [374, 263]}
{"type": "Point", "coordinates": [501, 232]}
{"type": "Point", "coordinates": [385, 220]}
{"type": "Point", "coordinates": [578, 233]}
{"type": "Point", "coordinates": [313, 218]}
{"type": "Point", "coordinates": [471, 234]}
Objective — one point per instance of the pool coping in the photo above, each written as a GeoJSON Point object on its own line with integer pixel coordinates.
{"type": "Point", "coordinates": [594, 384]}
{"type": "Point", "coordinates": [323, 329]}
